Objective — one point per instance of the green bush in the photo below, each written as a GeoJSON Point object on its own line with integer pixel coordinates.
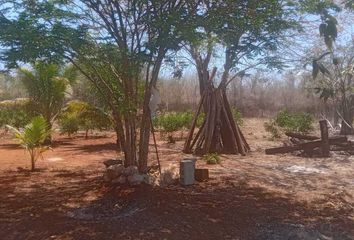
{"type": "Point", "coordinates": [79, 115]}
{"type": "Point", "coordinates": [14, 117]}
{"type": "Point", "coordinates": [285, 121]}
{"type": "Point", "coordinates": [69, 124]}
{"type": "Point", "coordinates": [295, 122]}
{"type": "Point", "coordinates": [16, 113]}
{"type": "Point", "coordinates": [170, 122]}
{"type": "Point", "coordinates": [212, 158]}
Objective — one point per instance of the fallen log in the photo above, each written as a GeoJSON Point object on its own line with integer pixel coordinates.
{"type": "Point", "coordinates": [301, 136]}
{"type": "Point", "coordinates": [305, 146]}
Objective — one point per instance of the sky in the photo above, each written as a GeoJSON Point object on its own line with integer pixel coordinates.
{"type": "Point", "coordinates": [294, 49]}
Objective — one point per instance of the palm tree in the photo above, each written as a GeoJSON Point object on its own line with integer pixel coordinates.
{"type": "Point", "coordinates": [47, 86]}
{"type": "Point", "coordinates": [32, 138]}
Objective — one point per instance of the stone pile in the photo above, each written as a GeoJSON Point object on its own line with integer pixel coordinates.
{"type": "Point", "coordinates": [118, 174]}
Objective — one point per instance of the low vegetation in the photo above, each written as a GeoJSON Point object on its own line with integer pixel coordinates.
{"type": "Point", "coordinates": [171, 122]}
{"type": "Point", "coordinates": [16, 113]}
{"type": "Point", "coordinates": [285, 121]}
{"type": "Point", "coordinates": [32, 138]}
{"type": "Point", "coordinates": [212, 158]}
{"type": "Point", "coordinates": [79, 115]}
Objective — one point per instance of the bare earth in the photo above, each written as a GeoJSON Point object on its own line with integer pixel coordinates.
{"type": "Point", "coordinates": [252, 197]}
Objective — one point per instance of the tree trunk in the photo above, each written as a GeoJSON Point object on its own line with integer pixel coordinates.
{"type": "Point", "coordinates": [118, 142]}
{"type": "Point", "coordinates": [324, 138]}
{"type": "Point", "coordinates": [130, 143]}
{"type": "Point", "coordinates": [48, 140]}
{"type": "Point", "coordinates": [33, 160]}
{"type": "Point", "coordinates": [348, 115]}
{"type": "Point", "coordinates": [145, 127]}
{"type": "Point", "coordinates": [32, 165]}
{"type": "Point", "coordinates": [345, 129]}
{"type": "Point", "coordinates": [127, 138]}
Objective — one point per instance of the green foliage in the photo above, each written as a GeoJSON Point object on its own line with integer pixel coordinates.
{"type": "Point", "coordinates": [316, 6]}
{"type": "Point", "coordinates": [14, 117]}
{"type": "Point", "coordinates": [328, 29]}
{"type": "Point", "coordinates": [173, 121]}
{"type": "Point", "coordinates": [237, 115]}
{"type": "Point", "coordinates": [32, 138]}
{"type": "Point", "coordinates": [297, 122]}
{"type": "Point", "coordinates": [170, 122]}
{"type": "Point", "coordinates": [289, 122]}
{"type": "Point", "coordinates": [47, 86]}
{"type": "Point", "coordinates": [80, 115]}
{"type": "Point", "coordinates": [200, 119]}
{"type": "Point", "coordinates": [69, 124]}
{"type": "Point", "coordinates": [212, 158]}
{"type": "Point", "coordinates": [16, 113]}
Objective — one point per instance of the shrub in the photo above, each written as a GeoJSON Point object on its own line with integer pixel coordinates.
{"type": "Point", "coordinates": [69, 124]}
{"type": "Point", "coordinates": [32, 138]}
{"type": "Point", "coordinates": [173, 121]}
{"type": "Point", "coordinates": [80, 115]}
{"type": "Point", "coordinates": [212, 158]}
{"type": "Point", "coordinates": [297, 122]}
{"type": "Point", "coordinates": [170, 122]}
{"type": "Point", "coordinates": [16, 113]}
{"type": "Point", "coordinates": [187, 119]}
{"type": "Point", "coordinates": [289, 122]}
{"type": "Point", "coordinates": [14, 117]}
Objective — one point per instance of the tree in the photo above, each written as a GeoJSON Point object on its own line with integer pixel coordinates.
{"type": "Point", "coordinates": [47, 86]}
{"type": "Point", "coordinates": [337, 72]}
{"type": "Point", "coordinates": [33, 137]}
{"type": "Point", "coordinates": [81, 115]}
{"type": "Point", "coordinates": [112, 43]}
{"type": "Point", "coordinates": [336, 84]}
{"type": "Point", "coordinates": [247, 33]}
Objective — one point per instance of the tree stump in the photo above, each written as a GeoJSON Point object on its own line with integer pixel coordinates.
{"type": "Point", "coordinates": [324, 139]}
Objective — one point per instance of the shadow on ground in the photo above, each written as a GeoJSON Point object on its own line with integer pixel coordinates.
{"type": "Point", "coordinates": [62, 204]}
{"type": "Point", "coordinates": [90, 148]}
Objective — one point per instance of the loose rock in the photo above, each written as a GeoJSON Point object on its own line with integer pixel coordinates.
{"type": "Point", "coordinates": [106, 178]}
{"type": "Point", "coordinates": [111, 162]}
{"type": "Point", "coordinates": [121, 180]}
{"type": "Point", "coordinates": [136, 179]}
{"type": "Point", "coordinates": [130, 171]}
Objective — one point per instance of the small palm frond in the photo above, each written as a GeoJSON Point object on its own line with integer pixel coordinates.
{"type": "Point", "coordinates": [34, 134]}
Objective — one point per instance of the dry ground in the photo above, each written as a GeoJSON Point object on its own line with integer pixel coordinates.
{"type": "Point", "coordinates": [252, 197]}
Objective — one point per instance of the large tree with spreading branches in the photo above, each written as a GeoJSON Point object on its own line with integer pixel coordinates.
{"type": "Point", "coordinates": [118, 45]}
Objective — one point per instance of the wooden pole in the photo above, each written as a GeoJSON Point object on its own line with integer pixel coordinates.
{"type": "Point", "coordinates": [187, 146]}
{"type": "Point", "coordinates": [155, 144]}
{"type": "Point", "coordinates": [324, 138]}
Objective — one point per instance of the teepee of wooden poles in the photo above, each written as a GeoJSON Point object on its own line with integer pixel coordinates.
{"type": "Point", "coordinates": [219, 133]}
